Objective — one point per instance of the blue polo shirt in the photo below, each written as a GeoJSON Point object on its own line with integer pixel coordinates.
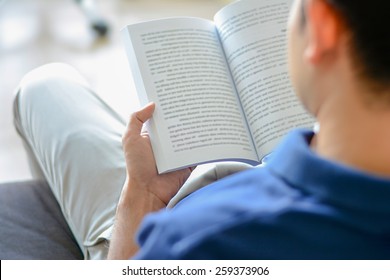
{"type": "Point", "coordinates": [299, 206]}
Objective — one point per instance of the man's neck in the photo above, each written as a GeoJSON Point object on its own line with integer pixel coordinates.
{"type": "Point", "coordinates": [355, 135]}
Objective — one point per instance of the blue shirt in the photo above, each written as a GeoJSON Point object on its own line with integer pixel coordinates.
{"type": "Point", "coordinates": [299, 206]}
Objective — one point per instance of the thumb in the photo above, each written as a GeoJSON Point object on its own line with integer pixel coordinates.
{"type": "Point", "coordinates": [138, 118]}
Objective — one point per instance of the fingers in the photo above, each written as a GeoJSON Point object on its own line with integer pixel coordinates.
{"type": "Point", "coordinates": [192, 168]}
{"type": "Point", "coordinates": [138, 118]}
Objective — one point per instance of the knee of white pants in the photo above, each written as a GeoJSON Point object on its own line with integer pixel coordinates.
{"type": "Point", "coordinates": [53, 70]}
{"type": "Point", "coordinates": [43, 75]}
{"type": "Point", "coordinates": [40, 79]}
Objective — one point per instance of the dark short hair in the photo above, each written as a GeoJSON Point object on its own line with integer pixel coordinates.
{"type": "Point", "coordinates": [369, 25]}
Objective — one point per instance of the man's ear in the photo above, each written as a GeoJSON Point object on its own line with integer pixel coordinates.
{"type": "Point", "coordinates": [323, 27]}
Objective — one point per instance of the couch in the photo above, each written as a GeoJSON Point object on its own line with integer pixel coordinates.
{"type": "Point", "coordinates": [32, 225]}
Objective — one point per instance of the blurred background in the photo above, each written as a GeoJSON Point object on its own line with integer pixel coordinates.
{"type": "Point", "coordinates": [35, 32]}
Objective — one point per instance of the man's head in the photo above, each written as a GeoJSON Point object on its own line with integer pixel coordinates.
{"type": "Point", "coordinates": [349, 39]}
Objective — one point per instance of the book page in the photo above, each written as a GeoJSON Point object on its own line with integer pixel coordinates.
{"type": "Point", "coordinates": [254, 37]}
{"type": "Point", "coordinates": [178, 63]}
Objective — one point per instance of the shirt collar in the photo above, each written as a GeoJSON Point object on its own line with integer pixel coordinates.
{"type": "Point", "coordinates": [302, 168]}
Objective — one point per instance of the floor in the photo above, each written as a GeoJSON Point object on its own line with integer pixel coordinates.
{"type": "Point", "coordinates": [35, 32]}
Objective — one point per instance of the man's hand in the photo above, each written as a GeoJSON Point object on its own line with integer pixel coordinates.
{"type": "Point", "coordinates": [145, 190]}
{"type": "Point", "coordinates": [140, 162]}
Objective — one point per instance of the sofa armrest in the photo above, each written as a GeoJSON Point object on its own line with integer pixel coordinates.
{"type": "Point", "coordinates": [32, 225]}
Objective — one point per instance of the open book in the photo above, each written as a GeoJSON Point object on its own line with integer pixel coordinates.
{"type": "Point", "coordinates": [222, 88]}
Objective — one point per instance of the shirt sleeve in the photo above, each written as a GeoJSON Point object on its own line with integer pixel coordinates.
{"type": "Point", "coordinates": [155, 238]}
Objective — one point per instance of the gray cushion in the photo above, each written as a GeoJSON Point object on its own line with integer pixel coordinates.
{"type": "Point", "coordinates": [32, 225]}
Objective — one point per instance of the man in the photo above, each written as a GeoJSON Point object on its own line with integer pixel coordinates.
{"type": "Point", "coordinates": [322, 196]}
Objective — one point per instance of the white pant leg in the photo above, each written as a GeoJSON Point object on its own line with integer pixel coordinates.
{"type": "Point", "coordinates": [75, 138]}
